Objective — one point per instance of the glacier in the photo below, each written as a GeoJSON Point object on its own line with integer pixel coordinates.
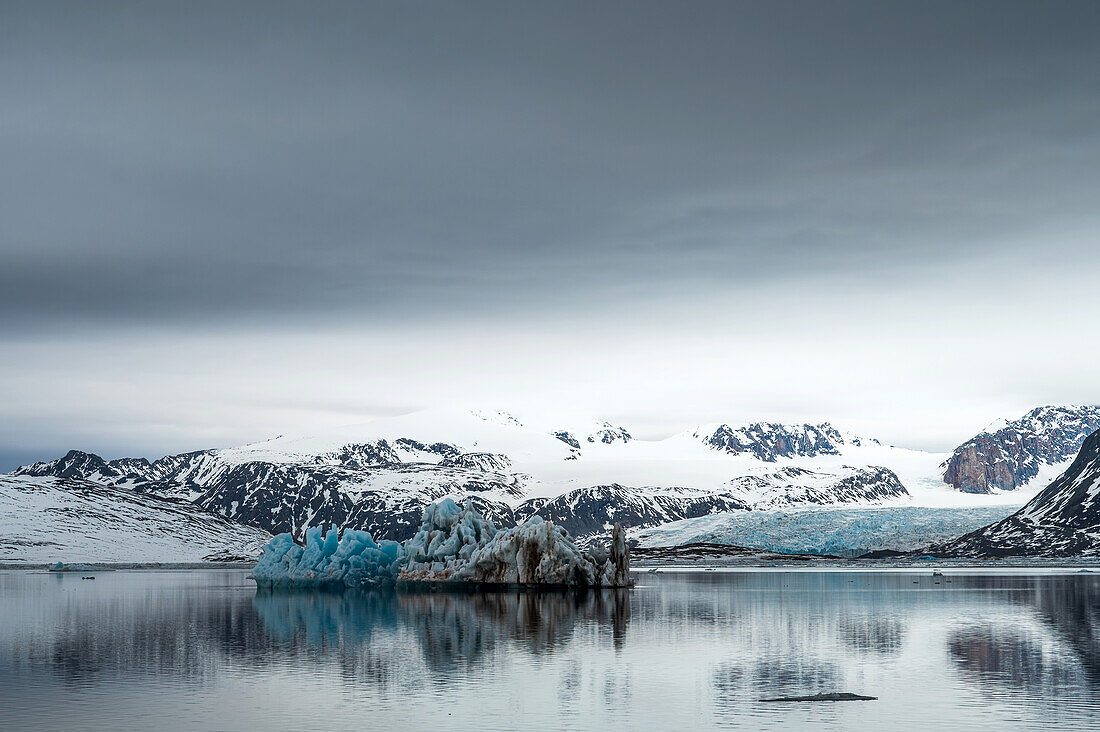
{"type": "Point", "coordinates": [835, 531]}
{"type": "Point", "coordinates": [454, 545]}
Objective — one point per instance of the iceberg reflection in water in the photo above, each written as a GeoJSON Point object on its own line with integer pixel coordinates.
{"type": "Point", "coordinates": [207, 650]}
{"type": "Point", "coordinates": [452, 629]}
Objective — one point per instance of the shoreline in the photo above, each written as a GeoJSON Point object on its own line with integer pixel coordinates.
{"type": "Point", "coordinates": [104, 566]}
{"type": "Point", "coordinates": [644, 567]}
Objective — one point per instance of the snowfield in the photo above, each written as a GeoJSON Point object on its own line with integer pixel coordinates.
{"type": "Point", "coordinates": [47, 520]}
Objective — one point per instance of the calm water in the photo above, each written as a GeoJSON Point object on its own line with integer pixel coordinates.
{"type": "Point", "coordinates": [202, 650]}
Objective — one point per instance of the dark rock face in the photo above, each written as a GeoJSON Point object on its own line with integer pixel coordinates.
{"type": "Point", "coordinates": [1010, 456]}
{"type": "Point", "coordinates": [592, 511]}
{"type": "Point", "coordinates": [768, 441]}
{"type": "Point", "coordinates": [442, 449]}
{"type": "Point", "coordinates": [485, 461]}
{"type": "Point", "coordinates": [1061, 521]}
{"type": "Point", "coordinates": [568, 439]}
{"type": "Point", "coordinates": [703, 551]}
{"type": "Point", "coordinates": [609, 433]}
{"type": "Point", "coordinates": [870, 484]}
{"type": "Point", "coordinates": [363, 455]}
{"type": "Point", "coordinates": [74, 464]}
{"type": "Point", "coordinates": [792, 486]}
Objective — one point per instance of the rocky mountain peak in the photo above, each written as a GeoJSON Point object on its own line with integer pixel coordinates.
{"type": "Point", "coordinates": [609, 433]}
{"type": "Point", "coordinates": [73, 464]}
{"type": "Point", "coordinates": [1010, 454]}
{"type": "Point", "coordinates": [1062, 520]}
{"type": "Point", "coordinates": [768, 441]}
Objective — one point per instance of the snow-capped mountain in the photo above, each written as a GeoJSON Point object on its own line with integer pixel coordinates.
{"type": "Point", "coordinates": [605, 433]}
{"type": "Point", "coordinates": [797, 486]}
{"type": "Point", "coordinates": [380, 475]}
{"type": "Point", "coordinates": [1062, 520]}
{"type": "Point", "coordinates": [1009, 455]}
{"type": "Point", "coordinates": [591, 512]}
{"type": "Point", "coordinates": [50, 519]}
{"type": "Point", "coordinates": [767, 441]}
{"type": "Point", "coordinates": [371, 486]}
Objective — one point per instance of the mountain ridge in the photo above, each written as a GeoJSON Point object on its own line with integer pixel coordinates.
{"type": "Point", "coordinates": [380, 477]}
{"type": "Point", "coordinates": [1014, 452]}
{"type": "Point", "coordinates": [1062, 520]}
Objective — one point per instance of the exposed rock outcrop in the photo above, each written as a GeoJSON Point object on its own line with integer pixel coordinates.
{"type": "Point", "coordinates": [768, 441]}
{"type": "Point", "coordinates": [593, 510]}
{"type": "Point", "coordinates": [1010, 454]}
{"type": "Point", "coordinates": [1061, 521]}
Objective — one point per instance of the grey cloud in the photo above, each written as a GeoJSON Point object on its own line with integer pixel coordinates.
{"type": "Point", "coordinates": [210, 161]}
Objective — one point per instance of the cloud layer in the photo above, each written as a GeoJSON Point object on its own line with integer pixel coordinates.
{"type": "Point", "coordinates": [770, 188]}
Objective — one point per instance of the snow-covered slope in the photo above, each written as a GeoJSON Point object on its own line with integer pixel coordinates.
{"type": "Point", "coordinates": [1031, 450]}
{"type": "Point", "coordinates": [379, 476]}
{"type": "Point", "coordinates": [47, 520]}
{"type": "Point", "coordinates": [1062, 520]}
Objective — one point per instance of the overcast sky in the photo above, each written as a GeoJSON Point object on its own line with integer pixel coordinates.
{"type": "Point", "coordinates": [221, 222]}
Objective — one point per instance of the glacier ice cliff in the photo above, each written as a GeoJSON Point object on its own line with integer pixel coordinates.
{"type": "Point", "coordinates": [835, 531]}
{"type": "Point", "coordinates": [454, 545]}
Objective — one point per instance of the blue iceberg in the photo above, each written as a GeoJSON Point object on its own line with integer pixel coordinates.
{"type": "Point", "coordinates": [447, 538]}
{"type": "Point", "coordinates": [454, 545]}
{"type": "Point", "coordinates": [353, 559]}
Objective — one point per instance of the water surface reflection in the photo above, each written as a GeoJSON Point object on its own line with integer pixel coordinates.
{"type": "Point", "coordinates": [206, 650]}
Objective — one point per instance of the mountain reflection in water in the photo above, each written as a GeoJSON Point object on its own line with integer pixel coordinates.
{"type": "Point", "coordinates": [207, 650]}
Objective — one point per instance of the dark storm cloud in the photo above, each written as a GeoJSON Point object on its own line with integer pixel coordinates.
{"type": "Point", "coordinates": [201, 162]}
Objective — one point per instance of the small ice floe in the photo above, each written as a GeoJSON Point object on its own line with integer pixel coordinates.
{"type": "Point", "coordinates": [830, 697]}
{"type": "Point", "coordinates": [62, 567]}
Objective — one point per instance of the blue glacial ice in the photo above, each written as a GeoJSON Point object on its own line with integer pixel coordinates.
{"type": "Point", "coordinates": [353, 559]}
{"type": "Point", "coordinates": [837, 531]}
{"type": "Point", "coordinates": [448, 536]}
